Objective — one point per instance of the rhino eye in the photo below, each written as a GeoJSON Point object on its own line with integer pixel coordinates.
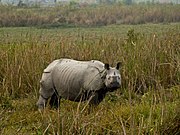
{"type": "Point", "coordinates": [109, 78]}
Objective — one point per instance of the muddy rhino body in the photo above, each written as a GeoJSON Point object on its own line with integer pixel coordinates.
{"type": "Point", "coordinates": [77, 81]}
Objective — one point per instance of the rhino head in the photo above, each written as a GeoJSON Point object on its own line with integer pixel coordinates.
{"type": "Point", "coordinates": [113, 77]}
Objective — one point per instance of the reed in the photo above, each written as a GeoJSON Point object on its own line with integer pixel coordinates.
{"type": "Point", "coordinates": [147, 102]}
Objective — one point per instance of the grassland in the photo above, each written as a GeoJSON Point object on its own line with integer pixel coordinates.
{"type": "Point", "coordinates": [147, 103]}
{"type": "Point", "coordinates": [97, 15]}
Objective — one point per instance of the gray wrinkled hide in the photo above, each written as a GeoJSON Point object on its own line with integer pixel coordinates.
{"type": "Point", "coordinates": [71, 79]}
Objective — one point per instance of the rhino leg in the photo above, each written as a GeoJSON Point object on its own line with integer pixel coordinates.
{"type": "Point", "coordinates": [97, 97]}
{"type": "Point", "coordinates": [55, 100]}
{"type": "Point", "coordinates": [93, 100]}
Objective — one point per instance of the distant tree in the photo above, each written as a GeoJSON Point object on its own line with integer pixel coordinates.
{"type": "Point", "coordinates": [106, 1]}
{"type": "Point", "coordinates": [21, 4]}
{"type": "Point", "coordinates": [177, 2]}
{"type": "Point", "coordinates": [128, 2]}
{"type": "Point", "coordinates": [98, 1]}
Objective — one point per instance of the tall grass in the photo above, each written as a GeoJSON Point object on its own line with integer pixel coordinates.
{"type": "Point", "coordinates": [89, 16]}
{"type": "Point", "coordinates": [149, 61]}
{"type": "Point", "coordinates": [150, 67]}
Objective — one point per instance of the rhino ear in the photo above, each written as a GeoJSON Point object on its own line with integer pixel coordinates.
{"type": "Point", "coordinates": [106, 66]}
{"type": "Point", "coordinates": [118, 65]}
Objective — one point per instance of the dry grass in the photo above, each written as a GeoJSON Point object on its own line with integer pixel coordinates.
{"type": "Point", "coordinates": [150, 65]}
{"type": "Point", "coordinates": [89, 16]}
{"type": "Point", "coordinates": [149, 60]}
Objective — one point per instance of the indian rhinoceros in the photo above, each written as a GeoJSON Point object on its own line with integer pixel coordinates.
{"type": "Point", "coordinates": [77, 81]}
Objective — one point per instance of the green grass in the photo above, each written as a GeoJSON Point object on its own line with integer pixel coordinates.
{"type": "Point", "coordinates": [147, 103]}
{"type": "Point", "coordinates": [150, 114]}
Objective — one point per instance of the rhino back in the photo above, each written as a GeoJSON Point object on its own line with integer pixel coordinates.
{"type": "Point", "coordinates": [71, 78]}
{"type": "Point", "coordinates": [50, 67]}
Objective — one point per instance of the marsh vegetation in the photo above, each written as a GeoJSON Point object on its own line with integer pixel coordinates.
{"type": "Point", "coordinates": [147, 102]}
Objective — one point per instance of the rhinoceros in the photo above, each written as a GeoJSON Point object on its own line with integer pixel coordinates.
{"type": "Point", "coordinates": [77, 81]}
